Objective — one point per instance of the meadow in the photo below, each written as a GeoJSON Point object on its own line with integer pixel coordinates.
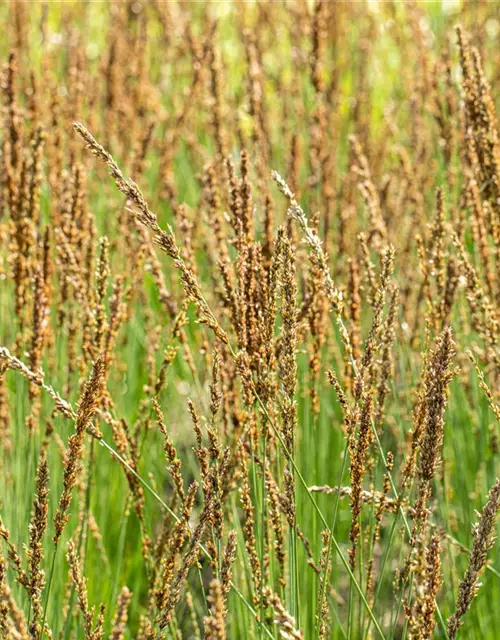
{"type": "Point", "coordinates": [249, 320]}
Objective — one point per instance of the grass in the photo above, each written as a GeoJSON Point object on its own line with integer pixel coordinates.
{"type": "Point", "coordinates": [172, 265]}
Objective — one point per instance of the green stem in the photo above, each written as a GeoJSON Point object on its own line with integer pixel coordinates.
{"type": "Point", "coordinates": [263, 528]}
{"type": "Point", "coordinates": [121, 549]}
{"type": "Point", "coordinates": [332, 528]}
{"type": "Point", "coordinates": [49, 585]}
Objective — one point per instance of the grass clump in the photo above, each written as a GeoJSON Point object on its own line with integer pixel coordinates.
{"type": "Point", "coordinates": [249, 326]}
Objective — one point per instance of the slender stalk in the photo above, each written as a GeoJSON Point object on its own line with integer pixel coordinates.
{"type": "Point", "coordinates": [49, 585]}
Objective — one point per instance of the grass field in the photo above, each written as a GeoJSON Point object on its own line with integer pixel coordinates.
{"type": "Point", "coordinates": [249, 320]}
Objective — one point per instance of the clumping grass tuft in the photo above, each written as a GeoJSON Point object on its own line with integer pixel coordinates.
{"type": "Point", "coordinates": [249, 320]}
